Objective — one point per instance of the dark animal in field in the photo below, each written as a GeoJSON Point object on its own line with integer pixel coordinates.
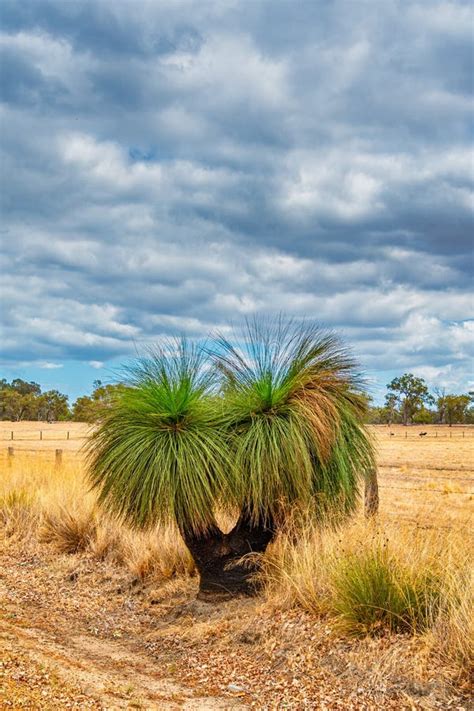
{"type": "Point", "coordinates": [423, 434]}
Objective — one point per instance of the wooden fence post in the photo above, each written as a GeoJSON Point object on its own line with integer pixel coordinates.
{"type": "Point", "coordinates": [41, 434]}
{"type": "Point", "coordinates": [10, 455]}
{"type": "Point", "coordinates": [371, 493]}
{"type": "Point", "coordinates": [67, 435]}
{"type": "Point", "coordinates": [59, 457]}
{"type": "Point", "coordinates": [12, 435]}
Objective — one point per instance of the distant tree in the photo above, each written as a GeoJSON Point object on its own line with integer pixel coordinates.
{"type": "Point", "coordinates": [22, 400]}
{"type": "Point", "coordinates": [385, 415]}
{"type": "Point", "coordinates": [24, 388]}
{"type": "Point", "coordinates": [453, 409]}
{"type": "Point", "coordinates": [469, 416]}
{"type": "Point", "coordinates": [391, 413]}
{"type": "Point", "coordinates": [90, 408]}
{"type": "Point", "coordinates": [15, 406]}
{"type": "Point", "coordinates": [371, 416]}
{"type": "Point", "coordinates": [410, 393]}
{"type": "Point", "coordinates": [425, 416]}
{"type": "Point", "coordinates": [374, 415]}
{"type": "Point", "coordinates": [52, 406]}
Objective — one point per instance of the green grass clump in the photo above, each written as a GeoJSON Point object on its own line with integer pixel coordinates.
{"type": "Point", "coordinates": [373, 591]}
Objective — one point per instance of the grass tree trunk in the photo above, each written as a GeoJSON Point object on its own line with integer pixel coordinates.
{"type": "Point", "coordinates": [371, 494]}
{"type": "Point", "coordinates": [219, 557]}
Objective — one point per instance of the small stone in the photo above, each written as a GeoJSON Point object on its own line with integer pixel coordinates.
{"type": "Point", "coordinates": [236, 688]}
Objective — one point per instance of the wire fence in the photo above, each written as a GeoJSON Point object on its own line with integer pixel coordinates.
{"type": "Point", "coordinates": [39, 435]}
{"type": "Point", "coordinates": [408, 433]}
{"type": "Point", "coordinates": [426, 490]}
{"type": "Point", "coordinates": [445, 433]}
{"type": "Point", "coordinates": [12, 454]}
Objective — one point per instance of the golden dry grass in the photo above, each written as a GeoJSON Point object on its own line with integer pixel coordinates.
{"type": "Point", "coordinates": [421, 533]}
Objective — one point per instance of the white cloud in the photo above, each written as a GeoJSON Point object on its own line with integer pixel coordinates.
{"type": "Point", "coordinates": [96, 364]}
{"type": "Point", "coordinates": [229, 68]}
{"type": "Point", "coordinates": [447, 18]}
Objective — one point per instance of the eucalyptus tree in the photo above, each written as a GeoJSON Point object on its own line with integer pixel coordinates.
{"type": "Point", "coordinates": [411, 393]}
{"type": "Point", "coordinates": [250, 428]}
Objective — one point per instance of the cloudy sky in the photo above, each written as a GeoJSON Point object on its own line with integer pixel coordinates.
{"type": "Point", "coordinates": [170, 165]}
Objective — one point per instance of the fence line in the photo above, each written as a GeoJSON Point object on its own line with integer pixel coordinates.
{"type": "Point", "coordinates": [21, 450]}
{"type": "Point", "coordinates": [426, 490]}
{"type": "Point", "coordinates": [409, 477]}
{"type": "Point", "coordinates": [423, 525]}
{"type": "Point", "coordinates": [414, 465]}
{"type": "Point", "coordinates": [51, 437]}
{"type": "Point", "coordinates": [58, 456]}
{"type": "Point", "coordinates": [429, 435]}
{"type": "Point", "coordinates": [408, 434]}
{"type": "Point", "coordinates": [17, 436]}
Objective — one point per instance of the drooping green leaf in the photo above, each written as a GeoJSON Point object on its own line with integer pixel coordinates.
{"type": "Point", "coordinates": [161, 451]}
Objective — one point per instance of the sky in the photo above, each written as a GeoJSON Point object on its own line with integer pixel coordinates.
{"type": "Point", "coordinates": [170, 167]}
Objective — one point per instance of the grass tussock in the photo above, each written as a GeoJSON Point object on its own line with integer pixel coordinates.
{"type": "Point", "coordinates": [373, 591]}
{"type": "Point", "coordinates": [453, 629]}
{"type": "Point", "coordinates": [70, 530]}
{"type": "Point", "coordinates": [157, 554]}
{"type": "Point", "coordinates": [55, 507]}
{"type": "Point", "coordinates": [18, 514]}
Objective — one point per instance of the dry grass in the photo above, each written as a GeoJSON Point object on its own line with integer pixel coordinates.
{"type": "Point", "coordinates": [38, 498]}
{"type": "Point", "coordinates": [407, 573]}
{"type": "Point", "coordinates": [376, 579]}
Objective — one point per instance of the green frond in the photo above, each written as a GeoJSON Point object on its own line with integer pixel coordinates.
{"type": "Point", "coordinates": [293, 403]}
{"type": "Point", "coordinates": [161, 452]}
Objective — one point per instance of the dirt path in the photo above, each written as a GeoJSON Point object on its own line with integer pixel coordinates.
{"type": "Point", "coordinates": [72, 646]}
{"type": "Point", "coordinates": [93, 672]}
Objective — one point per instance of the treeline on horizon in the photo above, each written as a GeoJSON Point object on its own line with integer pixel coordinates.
{"type": "Point", "coordinates": [408, 401]}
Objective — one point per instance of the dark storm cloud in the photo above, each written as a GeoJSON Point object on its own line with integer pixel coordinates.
{"type": "Point", "coordinates": [167, 166]}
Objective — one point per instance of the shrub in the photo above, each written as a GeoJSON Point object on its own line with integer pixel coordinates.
{"type": "Point", "coordinates": [370, 580]}
{"type": "Point", "coordinates": [373, 591]}
{"type": "Point", "coordinates": [252, 428]}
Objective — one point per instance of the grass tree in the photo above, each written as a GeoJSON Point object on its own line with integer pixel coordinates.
{"type": "Point", "coordinates": [252, 428]}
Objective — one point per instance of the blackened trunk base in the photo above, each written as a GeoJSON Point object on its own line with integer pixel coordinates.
{"type": "Point", "coordinates": [226, 577]}
{"type": "Point", "coordinates": [219, 558]}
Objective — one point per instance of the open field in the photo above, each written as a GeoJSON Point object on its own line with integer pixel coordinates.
{"type": "Point", "coordinates": [93, 615]}
{"type": "Point", "coordinates": [441, 462]}
{"type": "Point", "coordinates": [35, 436]}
